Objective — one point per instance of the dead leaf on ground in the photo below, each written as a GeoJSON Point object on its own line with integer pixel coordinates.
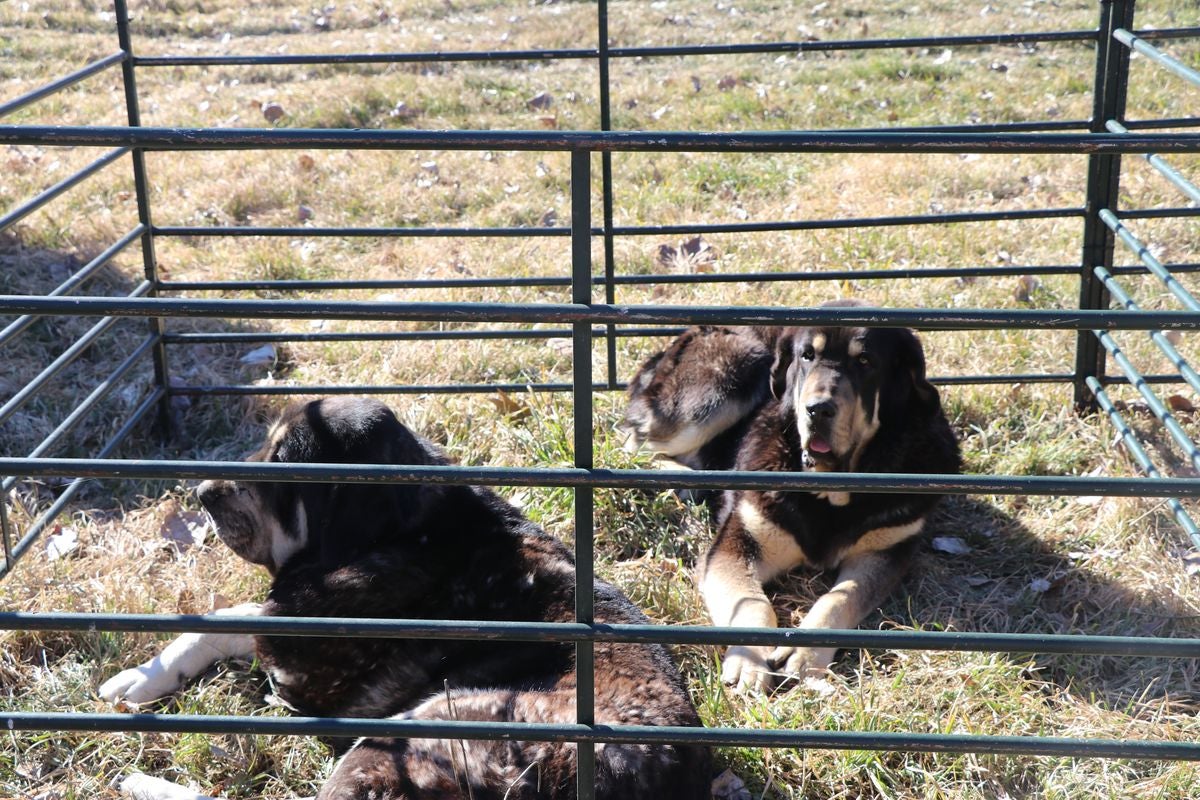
{"type": "Point", "coordinates": [403, 110]}
{"type": "Point", "coordinates": [515, 408]}
{"type": "Point", "coordinates": [541, 100]}
{"type": "Point", "coordinates": [692, 255]}
{"type": "Point", "coordinates": [726, 83]}
{"type": "Point", "coordinates": [951, 544]}
{"type": "Point", "coordinates": [185, 529]}
{"type": "Point", "coordinates": [273, 112]}
{"type": "Point", "coordinates": [550, 122]}
{"type": "Point", "coordinates": [62, 543]}
{"type": "Point", "coordinates": [728, 786]}
{"type": "Point", "coordinates": [1179, 403]}
{"type": "Point", "coordinates": [305, 162]}
{"type": "Point", "coordinates": [1026, 286]}
{"type": "Point", "coordinates": [259, 356]}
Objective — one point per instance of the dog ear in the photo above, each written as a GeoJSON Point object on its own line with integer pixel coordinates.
{"type": "Point", "coordinates": [911, 363]}
{"type": "Point", "coordinates": [781, 367]}
{"type": "Point", "coordinates": [358, 518]}
{"type": "Point", "coordinates": [348, 519]}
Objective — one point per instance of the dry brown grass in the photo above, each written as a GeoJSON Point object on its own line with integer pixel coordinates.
{"type": "Point", "coordinates": [1113, 565]}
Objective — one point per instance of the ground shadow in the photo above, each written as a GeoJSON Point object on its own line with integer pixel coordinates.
{"type": "Point", "coordinates": [1012, 581]}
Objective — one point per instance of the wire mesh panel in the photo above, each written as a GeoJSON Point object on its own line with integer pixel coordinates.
{"type": "Point", "coordinates": [580, 310]}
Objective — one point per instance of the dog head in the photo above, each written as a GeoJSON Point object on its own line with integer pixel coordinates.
{"type": "Point", "coordinates": [843, 384]}
{"type": "Point", "coordinates": [269, 522]}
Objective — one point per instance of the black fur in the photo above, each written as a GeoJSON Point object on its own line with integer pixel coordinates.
{"type": "Point", "coordinates": [827, 399]}
{"type": "Point", "coordinates": [457, 553]}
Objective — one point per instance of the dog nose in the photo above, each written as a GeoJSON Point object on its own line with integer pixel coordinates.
{"type": "Point", "coordinates": [820, 409]}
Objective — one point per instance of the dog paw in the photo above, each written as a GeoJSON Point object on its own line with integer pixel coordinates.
{"type": "Point", "coordinates": [747, 669]}
{"type": "Point", "coordinates": [144, 787]}
{"type": "Point", "coordinates": [138, 685]}
{"type": "Point", "coordinates": [801, 664]}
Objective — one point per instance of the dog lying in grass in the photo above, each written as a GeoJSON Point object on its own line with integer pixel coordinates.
{"type": "Point", "coordinates": [811, 399]}
{"type": "Point", "coordinates": [423, 552]}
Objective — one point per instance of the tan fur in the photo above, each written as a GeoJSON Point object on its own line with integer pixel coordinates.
{"type": "Point", "coordinates": [863, 581]}
{"type": "Point", "coordinates": [883, 538]}
{"type": "Point", "coordinates": [735, 598]}
{"type": "Point", "coordinates": [779, 551]}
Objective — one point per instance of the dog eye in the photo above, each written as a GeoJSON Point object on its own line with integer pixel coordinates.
{"type": "Point", "coordinates": [808, 354]}
{"type": "Point", "coordinates": [865, 360]}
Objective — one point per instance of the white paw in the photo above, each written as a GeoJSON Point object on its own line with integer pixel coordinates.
{"type": "Point", "coordinates": [138, 685]}
{"type": "Point", "coordinates": [144, 787]}
{"type": "Point", "coordinates": [747, 669]}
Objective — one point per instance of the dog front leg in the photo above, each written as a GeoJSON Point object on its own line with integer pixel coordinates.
{"type": "Point", "coordinates": [182, 660]}
{"type": "Point", "coordinates": [864, 581]}
{"type": "Point", "coordinates": [731, 586]}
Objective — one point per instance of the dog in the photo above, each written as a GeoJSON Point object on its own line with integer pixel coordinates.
{"type": "Point", "coordinates": [812, 399]}
{"type": "Point", "coordinates": [424, 552]}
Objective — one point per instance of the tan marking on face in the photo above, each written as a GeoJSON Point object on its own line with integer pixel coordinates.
{"type": "Point", "coordinates": [856, 348]}
{"type": "Point", "coordinates": [275, 436]}
{"type": "Point", "coordinates": [818, 342]}
{"type": "Point", "coordinates": [862, 430]}
{"type": "Point", "coordinates": [882, 538]}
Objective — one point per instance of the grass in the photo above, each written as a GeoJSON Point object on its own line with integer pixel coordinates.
{"type": "Point", "coordinates": [1112, 565]}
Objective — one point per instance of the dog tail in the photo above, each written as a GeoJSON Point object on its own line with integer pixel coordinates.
{"type": "Point", "coordinates": [697, 391]}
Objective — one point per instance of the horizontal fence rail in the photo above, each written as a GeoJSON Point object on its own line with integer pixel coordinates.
{"type": "Point", "coordinates": [491, 630]}
{"type": "Point", "coordinates": [150, 138]}
{"type": "Point", "coordinates": [957, 319]}
{"type": "Point", "coordinates": [922, 483]}
{"type": "Point", "coordinates": [633, 734]}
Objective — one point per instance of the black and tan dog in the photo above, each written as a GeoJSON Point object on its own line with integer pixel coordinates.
{"type": "Point", "coordinates": [823, 399]}
{"type": "Point", "coordinates": [424, 552]}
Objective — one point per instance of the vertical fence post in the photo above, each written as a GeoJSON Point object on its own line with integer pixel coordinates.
{"type": "Point", "coordinates": [5, 533]}
{"type": "Point", "coordinates": [581, 292]}
{"type": "Point", "coordinates": [142, 190]}
{"type": "Point", "coordinates": [1104, 174]}
{"type": "Point", "coordinates": [606, 179]}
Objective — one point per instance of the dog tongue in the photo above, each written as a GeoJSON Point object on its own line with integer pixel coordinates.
{"type": "Point", "coordinates": [818, 445]}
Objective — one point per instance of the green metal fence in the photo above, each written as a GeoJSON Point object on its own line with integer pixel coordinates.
{"type": "Point", "coordinates": [1104, 138]}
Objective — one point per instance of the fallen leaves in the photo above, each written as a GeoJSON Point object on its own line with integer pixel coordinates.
{"type": "Point", "coordinates": [62, 543]}
{"type": "Point", "coordinates": [259, 356]}
{"type": "Point", "coordinates": [403, 111]}
{"type": "Point", "coordinates": [272, 111]}
{"type": "Point", "coordinates": [1180, 404]}
{"type": "Point", "coordinates": [692, 256]}
{"type": "Point", "coordinates": [513, 408]}
{"type": "Point", "coordinates": [1026, 286]}
{"type": "Point", "coordinates": [185, 529]}
{"type": "Point", "coordinates": [728, 786]}
{"type": "Point", "coordinates": [951, 544]}
{"type": "Point", "coordinates": [540, 101]}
